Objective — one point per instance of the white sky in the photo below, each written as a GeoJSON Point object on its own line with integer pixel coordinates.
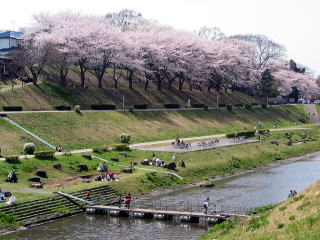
{"type": "Point", "coordinates": [293, 23]}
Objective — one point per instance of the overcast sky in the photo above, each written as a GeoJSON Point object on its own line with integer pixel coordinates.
{"type": "Point", "coordinates": [293, 23]}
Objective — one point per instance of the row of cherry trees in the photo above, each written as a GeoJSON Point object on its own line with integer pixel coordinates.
{"type": "Point", "coordinates": [144, 53]}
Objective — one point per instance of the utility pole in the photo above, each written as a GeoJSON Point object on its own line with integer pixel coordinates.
{"type": "Point", "coordinates": [217, 102]}
{"type": "Point", "coordinates": [122, 102]}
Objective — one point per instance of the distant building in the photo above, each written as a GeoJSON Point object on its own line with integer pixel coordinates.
{"type": "Point", "coordinates": [9, 41]}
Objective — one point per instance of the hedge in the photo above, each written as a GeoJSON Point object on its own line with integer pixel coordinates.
{"type": "Point", "coordinates": [103, 106]}
{"type": "Point", "coordinates": [120, 147]}
{"type": "Point", "coordinates": [221, 105]}
{"type": "Point", "coordinates": [12, 108]}
{"type": "Point", "coordinates": [248, 106]}
{"type": "Point", "coordinates": [229, 107]}
{"type": "Point", "coordinates": [254, 104]}
{"type": "Point", "coordinates": [242, 133]}
{"type": "Point", "coordinates": [262, 131]}
{"type": "Point", "coordinates": [171, 105]}
{"type": "Point", "coordinates": [198, 105]}
{"type": "Point", "coordinates": [44, 154]}
{"type": "Point", "coordinates": [62, 108]}
{"type": "Point", "coordinates": [264, 105]}
{"type": "Point", "coordinates": [140, 106]}
{"type": "Point", "coordinates": [238, 105]}
{"type": "Point", "coordinates": [12, 159]}
{"type": "Point", "coordinates": [3, 115]}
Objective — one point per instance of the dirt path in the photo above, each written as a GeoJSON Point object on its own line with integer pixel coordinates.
{"type": "Point", "coordinates": [313, 114]}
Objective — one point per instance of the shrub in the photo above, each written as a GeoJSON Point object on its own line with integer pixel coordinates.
{"type": "Point", "coordinates": [171, 105]}
{"type": "Point", "coordinates": [140, 106]}
{"type": "Point", "coordinates": [29, 148]}
{"type": "Point", "coordinates": [292, 217]}
{"type": "Point", "coordinates": [131, 109]}
{"type": "Point", "coordinates": [125, 138]}
{"type": "Point", "coordinates": [264, 105]}
{"type": "Point", "coordinates": [242, 133]}
{"type": "Point", "coordinates": [280, 225]}
{"type": "Point", "coordinates": [238, 105]}
{"type": "Point", "coordinates": [229, 107]}
{"type": "Point", "coordinates": [198, 105]}
{"type": "Point", "coordinates": [77, 109]}
{"type": "Point", "coordinates": [44, 154]}
{"type": "Point", "coordinates": [205, 107]}
{"type": "Point", "coordinates": [221, 105]}
{"type": "Point", "coordinates": [12, 159]}
{"type": "Point", "coordinates": [261, 131]}
{"type": "Point", "coordinates": [12, 108]}
{"type": "Point", "coordinates": [3, 115]}
{"type": "Point", "coordinates": [120, 147]}
{"type": "Point", "coordinates": [103, 106]}
{"type": "Point", "coordinates": [62, 108]}
{"type": "Point", "coordinates": [254, 104]}
{"type": "Point", "coordinates": [248, 106]}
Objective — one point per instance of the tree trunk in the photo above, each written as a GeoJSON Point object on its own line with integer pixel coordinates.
{"type": "Point", "coordinates": [209, 88]}
{"type": "Point", "coordinates": [82, 75]}
{"type": "Point", "coordinates": [146, 85]}
{"type": "Point", "coordinates": [181, 82]}
{"type": "Point", "coordinates": [130, 78]}
{"type": "Point", "coordinates": [190, 86]}
{"type": "Point", "coordinates": [159, 82]}
{"type": "Point", "coordinates": [63, 75]}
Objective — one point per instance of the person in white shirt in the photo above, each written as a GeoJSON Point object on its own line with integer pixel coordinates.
{"type": "Point", "coordinates": [205, 206]}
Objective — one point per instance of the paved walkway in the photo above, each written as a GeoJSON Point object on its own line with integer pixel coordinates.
{"type": "Point", "coordinates": [6, 89]}
{"type": "Point", "coordinates": [194, 146]}
{"type": "Point", "coordinates": [312, 111]}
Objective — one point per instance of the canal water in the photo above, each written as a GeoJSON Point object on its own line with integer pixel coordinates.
{"type": "Point", "coordinates": [265, 186]}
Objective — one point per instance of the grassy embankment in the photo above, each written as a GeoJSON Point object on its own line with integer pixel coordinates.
{"type": "Point", "coordinates": [92, 129]}
{"type": "Point", "coordinates": [296, 218]}
{"type": "Point", "coordinates": [201, 165]}
{"type": "Point", "coordinates": [46, 96]}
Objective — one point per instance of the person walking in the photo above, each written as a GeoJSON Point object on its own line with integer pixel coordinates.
{"type": "Point", "coordinates": [119, 201]}
{"type": "Point", "coordinates": [128, 200]}
{"type": "Point", "coordinates": [206, 206]}
{"type": "Point", "coordinates": [174, 158]}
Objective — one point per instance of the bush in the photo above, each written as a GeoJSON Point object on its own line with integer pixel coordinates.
{"type": "Point", "coordinates": [125, 138]}
{"type": "Point", "coordinates": [254, 104]}
{"type": "Point", "coordinates": [238, 105]}
{"type": "Point", "coordinates": [205, 107]}
{"type": "Point", "coordinates": [62, 108]}
{"type": "Point", "coordinates": [248, 106]}
{"type": "Point", "coordinates": [44, 154]}
{"type": "Point", "coordinates": [264, 105]}
{"type": "Point", "coordinates": [131, 109]}
{"type": "Point", "coordinates": [198, 105]}
{"type": "Point", "coordinates": [103, 106]}
{"type": "Point", "coordinates": [12, 159]}
{"type": "Point", "coordinates": [3, 115]}
{"type": "Point", "coordinates": [29, 148]}
{"type": "Point", "coordinates": [12, 108]}
{"type": "Point", "coordinates": [120, 147]}
{"type": "Point", "coordinates": [261, 131]}
{"type": "Point", "coordinates": [242, 133]}
{"type": "Point", "coordinates": [171, 105]}
{"type": "Point", "coordinates": [221, 105]}
{"type": "Point", "coordinates": [77, 109]}
{"type": "Point", "coordinates": [229, 107]}
{"type": "Point", "coordinates": [140, 106]}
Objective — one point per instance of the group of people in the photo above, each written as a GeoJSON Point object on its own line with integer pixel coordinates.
{"type": "Point", "coordinates": [105, 174]}
{"type": "Point", "coordinates": [12, 177]}
{"type": "Point", "coordinates": [292, 193]}
{"type": "Point", "coordinates": [11, 200]}
{"type": "Point", "coordinates": [127, 199]}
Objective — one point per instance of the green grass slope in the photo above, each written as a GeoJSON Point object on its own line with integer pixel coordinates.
{"type": "Point", "coordinates": [47, 95]}
{"type": "Point", "coordinates": [92, 129]}
{"type": "Point", "coordinates": [297, 218]}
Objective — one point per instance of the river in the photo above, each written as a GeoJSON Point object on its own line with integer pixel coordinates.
{"type": "Point", "coordinates": [236, 194]}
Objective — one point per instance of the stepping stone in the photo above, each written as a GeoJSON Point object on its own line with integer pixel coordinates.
{"type": "Point", "coordinates": [171, 166]}
{"type": "Point", "coordinates": [114, 159]}
{"type": "Point", "coordinates": [86, 181]}
{"type": "Point", "coordinates": [134, 163]}
{"type": "Point", "coordinates": [127, 170]}
{"type": "Point", "coordinates": [37, 185]}
{"type": "Point", "coordinates": [87, 156]}
{"type": "Point", "coordinates": [35, 179]}
{"type": "Point", "coordinates": [42, 173]}
{"type": "Point", "coordinates": [83, 167]}
{"type": "Point", "coordinates": [57, 166]}
{"type": "Point", "coordinates": [7, 194]}
{"type": "Point", "coordinates": [123, 154]}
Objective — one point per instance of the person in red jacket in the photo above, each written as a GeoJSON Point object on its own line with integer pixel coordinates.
{"type": "Point", "coordinates": [128, 200]}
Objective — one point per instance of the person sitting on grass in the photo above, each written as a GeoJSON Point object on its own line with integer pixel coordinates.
{"type": "Point", "coordinates": [12, 200]}
{"type": "Point", "coordinates": [2, 197]}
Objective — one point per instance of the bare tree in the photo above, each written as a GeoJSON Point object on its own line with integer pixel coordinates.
{"type": "Point", "coordinates": [210, 33]}
{"type": "Point", "coordinates": [268, 50]}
